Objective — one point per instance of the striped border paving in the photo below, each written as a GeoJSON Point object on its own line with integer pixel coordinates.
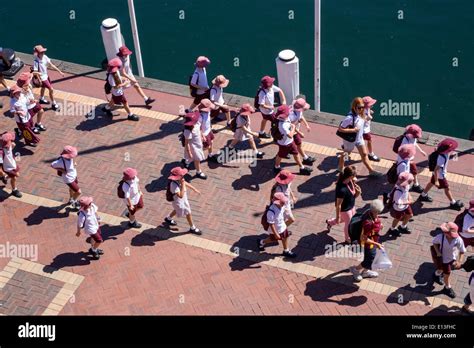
{"type": "Point", "coordinates": [73, 280]}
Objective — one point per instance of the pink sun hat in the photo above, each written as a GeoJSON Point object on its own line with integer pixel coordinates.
{"type": "Point", "coordinates": [69, 152]}
{"type": "Point", "coordinates": [450, 228]}
{"type": "Point", "coordinates": [85, 201]}
{"type": "Point", "coordinates": [280, 197]}
{"type": "Point", "coordinates": [267, 81]}
{"type": "Point", "coordinates": [405, 179]}
{"type": "Point", "coordinates": [24, 79]}
{"type": "Point", "coordinates": [414, 129]}
{"type": "Point", "coordinates": [39, 49]}
{"type": "Point", "coordinates": [14, 90]}
{"type": "Point", "coordinates": [205, 105]}
{"type": "Point", "coordinates": [285, 177]}
{"type": "Point", "coordinates": [114, 65]}
{"type": "Point", "coordinates": [129, 173]}
{"type": "Point", "coordinates": [369, 101]}
{"type": "Point", "coordinates": [246, 109]}
{"type": "Point", "coordinates": [300, 105]}
{"type": "Point", "coordinates": [202, 62]}
{"type": "Point", "coordinates": [283, 111]}
{"type": "Point", "coordinates": [124, 51]}
{"type": "Point", "coordinates": [221, 81]}
{"type": "Point", "coordinates": [177, 173]}
{"type": "Point", "coordinates": [447, 145]}
{"type": "Point", "coordinates": [7, 138]}
{"type": "Point", "coordinates": [407, 151]}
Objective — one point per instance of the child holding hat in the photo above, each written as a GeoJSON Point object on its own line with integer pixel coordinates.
{"type": "Point", "coordinates": [89, 221]}
{"type": "Point", "coordinates": [19, 108]}
{"type": "Point", "coordinates": [177, 189]}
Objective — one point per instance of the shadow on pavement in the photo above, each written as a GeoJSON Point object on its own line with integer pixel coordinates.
{"type": "Point", "coordinates": [45, 213]}
{"type": "Point", "coordinates": [80, 258]}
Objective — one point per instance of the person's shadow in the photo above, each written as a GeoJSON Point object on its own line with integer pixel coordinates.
{"type": "Point", "coordinates": [246, 249]}
{"type": "Point", "coordinates": [151, 236]}
{"type": "Point", "coordinates": [160, 183]}
{"type": "Point", "coordinates": [68, 259]}
{"type": "Point", "coordinates": [45, 213]}
{"type": "Point", "coordinates": [260, 174]}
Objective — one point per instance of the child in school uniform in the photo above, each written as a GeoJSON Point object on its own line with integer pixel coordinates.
{"type": "Point", "coordinates": [217, 97]}
{"type": "Point", "coordinates": [243, 130]}
{"type": "Point", "coordinates": [282, 184]}
{"type": "Point", "coordinates": [133, 196]}
{"type": "Point", "coordinates": [193, 143]}
{"type": "Point", "coordinates": [296, 117]}
{"type": "Point", "coordinates": [177, 189]}
{"type": "Point", "coordinates": [40, 69]}
{"type": "Point", "coordinates": [277, 227]}
{"type": "Point", "coordinates": [401, 207]}
{"type": "Point", "coordinates": [439, 179]}
{"type": "Point", "coordinates": [9, 165]}
{"type": "Point", "coordinates": [367, 135]}
{"type": "Point", "coordinates": [34, 107]}
{"type": "Point", "coordinates": [19, 109]}
{"type": "Point", "coordinates": [465, 222]}
{"type": "Point", "coordinates": [118, 84]}
{"type": "Point", "coordinates": [89, 221]}
{"type": "Point", "coordinates": [199, 81]}
{"type": "Point", "coordinates": [266, 101]}
{"type": "Point", "coordinates": [66, 168]}
{"type": "Point", "coordinates": [413, 132]}
{"type": "Point", "coordinates": [204, 108]}
{"type": "Point", "coordinates": [126, 71]}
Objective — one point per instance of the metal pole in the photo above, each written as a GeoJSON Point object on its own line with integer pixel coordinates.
{"type": "Point", "coordinates": [136, 40]}
{"type": "Point", "coordinates": [317, 55]}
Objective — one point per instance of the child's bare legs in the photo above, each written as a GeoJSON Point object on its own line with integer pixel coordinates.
{"type": "Point", "coordinates": [263, 125]}
{"type": "Point", "coordinates": [3, 82]}
{"type": "Point", "coordinates": [190, 220]}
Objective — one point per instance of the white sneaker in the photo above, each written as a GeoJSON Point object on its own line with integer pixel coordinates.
{"type": "Point", "coordinates": [369, 274]}
{"type": "Point", "coordinates": [355, 274]}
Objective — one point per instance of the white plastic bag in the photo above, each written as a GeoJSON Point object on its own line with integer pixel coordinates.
{"type": "Point", "coordinates": [381, 260]}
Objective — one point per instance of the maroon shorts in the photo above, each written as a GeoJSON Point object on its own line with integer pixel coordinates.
{"type": "Point", "coordinates": [199, 97]}
{"type": "Point", "coordinates": [267, 117]}
{"type": "Point", "coordinates": [413, 168]}
{"type": "Point", "coordinates": [208, 142]}
{"type": "Point", "coordinates": [367, 136]}
{"type": "Point", "coordinates": [47, 84]}
{"type": "Point", "coordinates": [438, 261]}
{"type": "Point", "coordinates": [467, 241]}
{"type": "Point", "coordinates": [27, 132]}
{"type": "Point", "coordinates": [13, 173]}
{"type": "Point", "coordinates": [97, 237]}
{"type": "Point", "coordinates": [399, 215]}
{"type": "Point", "coordinates": [35, 110]}
{"type": "Point", "coordinates": [443, 183]}
{"type": "Point", "coordinates": [285, 234]}
{"type": "Point", "coordinates": [290, 149]}
{"type": "Point", "coordinates": [297, 139]}
{"type": "Point", "coordinates": [137, 206]}
{"type": "Point", "coordinates": [74, 186]}
{"type": "Point", "coordinates": [217, 112]}
{"type": "Point", "coordinates": [119, 99]}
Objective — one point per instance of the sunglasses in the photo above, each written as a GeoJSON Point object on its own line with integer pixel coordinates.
{"type": "Point", "coordinates": [360, 107]}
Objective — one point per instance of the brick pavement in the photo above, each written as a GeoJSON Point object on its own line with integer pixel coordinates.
{"type": "Point", "coordinates": [151, 146]}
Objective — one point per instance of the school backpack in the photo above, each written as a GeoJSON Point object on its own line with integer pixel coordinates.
{"type": "Point", "coordinates": [433, 160]}
{"type": "Point", "coordinates": [193, 90]}
{"type": "Point", "coordinates": [398, 142]}
{"type": "Point", "coordinates": [392, 176]}
{"type": "Point", "coordinates": [355, 225]}
{"type": "Point", "coordinates": [459, 220]}
{"type": "Point", "coordinates": [120, 193]}
{"type": "Point", "coordinates": [275, 129]}
{"type": "Point", "coordinates": [264, 220]}
{"type": "Point", "coordinates": [233, 124]}
{"type": "Point", "coordinates": [181, 138]}
{"type": "Point", "coordinates": [107, 85]}
{"type": "Point", "coordinates": [169, 194]}
{"type": "Point", "coordinates": [391, 195]}
{"type": "Point", "coordinates": [256, 105]}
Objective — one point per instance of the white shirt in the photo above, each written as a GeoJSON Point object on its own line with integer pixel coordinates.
{"type": "Point", "coordinates": [295, 117]}
{"type": "Point", "coordinates": [368, 115]}
{"type": "Point", "coordinates": [9, 162]}
{"type": "Point", "coordinates": [87, 219]}
{"type": "Point", "coordinates": [63, 163]}
{"type": "Point", "coordinates": [243, 121]}
{"type": "Point", "coordinates": [205, 120]}
{"type": "Point", "coordinates": [217, 95]}
{"type": "Point", "coordinates": [126, 65]}
{"type": "Point", "coordinates": [115, 91]}
{"type": "Point", "coordinates": [285, 128]}
{"type": "Point", "coordinates": [19, 107]}
{"type": "Point", "coordinates": [267, 97]}
{"type": "Point", "coordinates": [442, 163]}
{"type": "Point", "coordinates": [286, 190]}
{"type": "Point", "coordinates": [200, 78]}
{"type": "Point", "coordinates": [131, 190]}
{"type": "Point", "coordinates": [358, 123]}
{"type": "Point", "coordinates": [408, 140]}
{"type": "Point", "coordinates": [41, 65]}
{"type": "Point", "coordinates": [403, 165]}
{"type": "Point", "coordinates": [468, 223]}
{"type": "Point", "coordinates": [400, 195]}
{"type": "Point", "coordinates": [30, 98]}
{"type": "Point", "coordinates": [449, 251]}
{"type": "Point", "coordinates": [275, 216]}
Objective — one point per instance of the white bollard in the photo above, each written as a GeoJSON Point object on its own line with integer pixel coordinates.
{"type": "Point", "coordinates": [111, 36]}
{"type": "Point", "coordinates": [288, 69]}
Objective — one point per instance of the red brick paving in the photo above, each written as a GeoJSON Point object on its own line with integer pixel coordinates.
{"type": "Point", "coordinates": [152, 147]}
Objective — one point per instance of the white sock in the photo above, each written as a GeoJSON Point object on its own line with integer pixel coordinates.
{"type": "Point", "coordinates": [404, 226]}
{"type": "Point", "coordinates": [453, 201]}
{"type": "Point", "coordinates": [107, 107]}
{"type": "Point", "coordinates": [146, 98]}
{"type": "Point", "coordinates": [277, 167]}
{"type": "Point", "coordinates": [305, 157]}
{"type": "Point", "coordinates": [287, 250]}
{"type": "Point", "coordinates": [438, 272]}
{"type": "Point", "coordinates": [302, 167]}
{"type": "Point", "coordinates": [193, 227]}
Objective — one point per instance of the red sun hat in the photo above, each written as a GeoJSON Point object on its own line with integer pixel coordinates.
{"type": "Point", "coordinates": [267, 81]}
{"type": "Point", "coordinates": [300, 105]}
{"type": "Point", "coordinates": [450, 228]}
{"type": "Point", "coordinates": [284, 177]}
{"type": "Point", "coordinates": [124, 51]}
{"type": "Point", "coordinates": [414, 130]}
{"type": "Point", "coordinates": [177, 173]}
{"type": "Point", "coordinates": [407, 151]}
{"type": "Point", "coordinates": [114, 65]}
{"type": "Point", "coordinates": [190, 119]}
{"type": "Point", "coordinates": [129, 173]}
{"type": "Point", "coordinates": [205, 105]}
{"type": "Point", "coordinates": [69, 152]}
{"type": "Point", "coordinates": [202, 62]}
{"type": "Point", "coordinates": [39, 49]}
{"type": "Point", "coordinates": [283, 111]}
{"type": "Point", "coordinates": [447, 145]}
{"type": "Point", "coordinates": [85, 201]}
{"type": "Point", "coordinates": [405, 179]}
{"type": "Point", "coordinates": [246, 109]}
{"type": "Point", "coordinates": [7, 138]}
{"type": "Point", "coordinates": [369, 101]}
{"type": "Point", "coordinates": [280, 197]}
{"type": "Point", "coordinates": [23, 79]}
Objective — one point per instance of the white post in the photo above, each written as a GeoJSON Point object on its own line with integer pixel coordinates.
{"type": "Point", "coordinates": [136, 41]}
{"type": "Point", "coordinates": [317, 55]}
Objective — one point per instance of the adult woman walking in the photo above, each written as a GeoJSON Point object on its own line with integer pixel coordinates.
{"type": "Point", "coordinates": [346, 193]}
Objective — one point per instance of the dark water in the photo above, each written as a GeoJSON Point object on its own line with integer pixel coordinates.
{"type": "Point", "coordinates": [407, 60]}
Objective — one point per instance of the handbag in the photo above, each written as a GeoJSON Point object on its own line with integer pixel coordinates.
{"type": "Point", "coordinates": [350, 137]}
